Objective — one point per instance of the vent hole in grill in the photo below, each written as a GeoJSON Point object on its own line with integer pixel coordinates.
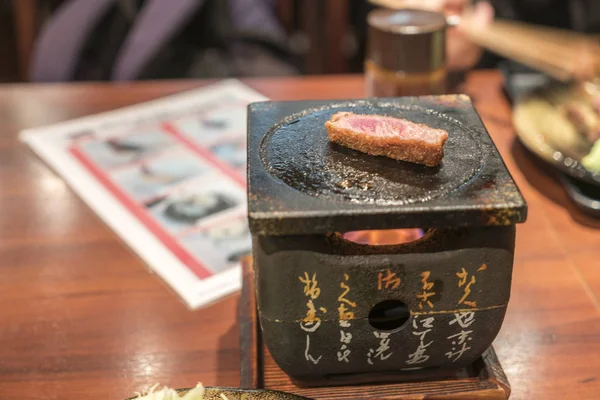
{"type": "Point", "coordinates": [389, 315]}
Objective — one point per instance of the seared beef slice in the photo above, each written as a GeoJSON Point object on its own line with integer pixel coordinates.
{"type": "Point", "coordinates": [386, 136]}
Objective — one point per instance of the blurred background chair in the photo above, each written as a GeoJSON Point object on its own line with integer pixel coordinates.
{"type": "Point", "coordinates": [304, 23]}
{"type": "Point", "coordinates": [317, 36]}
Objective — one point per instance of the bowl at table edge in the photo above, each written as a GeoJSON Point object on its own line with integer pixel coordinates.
{"type": "Point", "coordinates": [214, 393]}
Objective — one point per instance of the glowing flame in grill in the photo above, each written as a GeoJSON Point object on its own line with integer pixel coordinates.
{"type": "Point", "coordinates": [384, 237]}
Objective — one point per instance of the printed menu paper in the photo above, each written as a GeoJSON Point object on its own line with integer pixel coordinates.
{"type": "Point", "coordinates": [168, 176]}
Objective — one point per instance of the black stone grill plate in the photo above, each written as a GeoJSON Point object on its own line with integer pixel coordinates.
{"type": "Point", "coordinates": [301, 183]}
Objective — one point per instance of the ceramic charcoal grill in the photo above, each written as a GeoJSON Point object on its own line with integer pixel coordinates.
{"type": "Point", "coordinates": [330, 307]}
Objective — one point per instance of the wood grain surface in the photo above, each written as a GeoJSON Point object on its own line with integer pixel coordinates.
{"type": "Point", "coordinates": [81, 317]}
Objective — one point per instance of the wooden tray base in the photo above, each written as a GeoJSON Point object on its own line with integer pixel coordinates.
{"type": "Point", "coordinates": [484, 379]}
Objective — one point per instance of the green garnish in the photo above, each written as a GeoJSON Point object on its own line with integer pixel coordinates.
{"type": "Point", "coordinates": [591, 162]}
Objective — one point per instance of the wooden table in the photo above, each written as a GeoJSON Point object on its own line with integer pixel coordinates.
{"type": "Point", "coordinates": [81, 317]}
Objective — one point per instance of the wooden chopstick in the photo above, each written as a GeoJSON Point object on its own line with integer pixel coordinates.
{"type": "Point", "coordinates": [531, 59]}
{"type": "Point", "coordinates": [571, 57]}
{"type": "Point", "coordinates": [555, 34]}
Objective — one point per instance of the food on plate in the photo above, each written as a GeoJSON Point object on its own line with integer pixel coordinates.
{"type": "Point", "coordinates": [166, 393]}
{"type": "Point", "coordinates": [585, 118]}
{"type": "Point", "coordinates": [395, 138]}
{"type": "Point", "coordinates": [592, 161]}
{"type": "Point", "coordinates": [581, 105]}
{"type": "Point", "coordinates": [538, 117]}
{"type": "Point", "coordinates": [213, 393]}
{"type": "Point", "coordinates": [196, 206]}
{"type": "Point", "coordinates": [563, 118]}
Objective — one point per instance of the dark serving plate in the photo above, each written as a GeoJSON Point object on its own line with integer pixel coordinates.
{"type": "Point", "coordinates": [535, 141]}
{"type": "Point", "coordinates": [586, 196]}
{"type": "Point", "coordinates": [582, 185]}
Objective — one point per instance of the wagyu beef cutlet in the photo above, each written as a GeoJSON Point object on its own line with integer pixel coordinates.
{"type": "Point", "coordinates": [386, 136]}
